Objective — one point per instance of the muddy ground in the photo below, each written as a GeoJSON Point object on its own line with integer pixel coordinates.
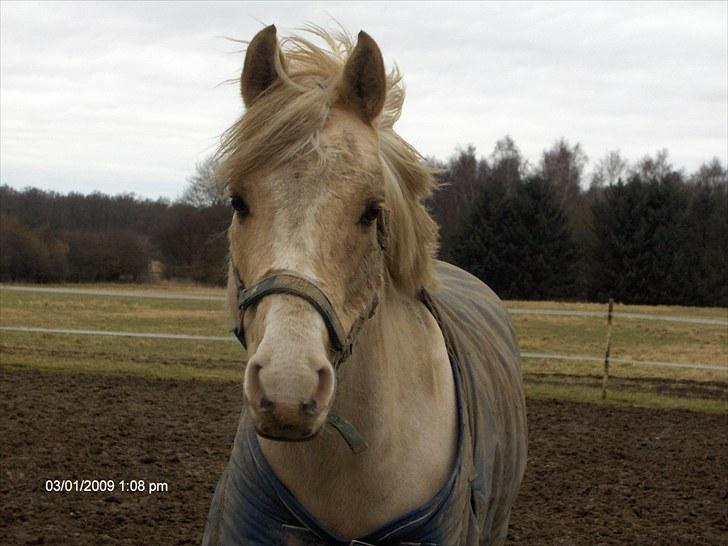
{"type": "Point", "coordinates": [596, 475]}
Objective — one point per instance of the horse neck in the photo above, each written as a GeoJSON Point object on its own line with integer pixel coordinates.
{"type": "Point", "coordinates": [397, 390]}
{"type": "Point", "coordinates": [392, 370]}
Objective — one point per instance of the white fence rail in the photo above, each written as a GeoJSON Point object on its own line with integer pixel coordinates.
{"type": "Point", "coordinates": [525, 354]}
{"type": "Point", "coordinates": [514, 311]}
{"type": "Point", "coordinates": [588, 358]}
{"type": "Point", "coordinates": [603, 315]}
{"type": "Point", "coordinates": [112, 293]}
{"type": "Point", "coordinates": [112, 333]}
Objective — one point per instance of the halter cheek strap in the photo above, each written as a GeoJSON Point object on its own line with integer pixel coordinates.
{"type": "Point", "coordinates": [289, 282]}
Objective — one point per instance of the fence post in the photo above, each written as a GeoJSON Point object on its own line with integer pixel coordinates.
{"type": "Point", "coordinates": [605, 378]}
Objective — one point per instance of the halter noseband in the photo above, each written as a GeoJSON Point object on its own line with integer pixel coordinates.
{"type": "Point", "coordinates": [289, 282]}
{"type": "Point", "coordinates": [283, 281]}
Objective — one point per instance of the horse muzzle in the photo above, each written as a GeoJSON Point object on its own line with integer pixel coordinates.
{"type": "Point", "coordinates": [288, 400]}
{"type": "Point", "coordinates": [288, 422]}
{"type": "Point", "coordinates": [301, 416]}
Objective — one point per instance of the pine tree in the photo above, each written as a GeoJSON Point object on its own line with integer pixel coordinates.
{"type": "Point", "coordinates": [642, 242]}
{"type": "Point", "coordinates": [519, 243]}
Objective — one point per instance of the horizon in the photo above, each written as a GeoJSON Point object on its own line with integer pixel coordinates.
{"type": "Point", "coordinates": [179, 198]}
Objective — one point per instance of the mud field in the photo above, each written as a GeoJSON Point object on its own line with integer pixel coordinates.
{"type": "Point", "coordinates": [595, 475]}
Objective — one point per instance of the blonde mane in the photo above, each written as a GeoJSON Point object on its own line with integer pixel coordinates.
{"type": "Point", "coordinates": [284, 123]}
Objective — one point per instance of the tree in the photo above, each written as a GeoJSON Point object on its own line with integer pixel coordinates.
{"type": "Point", "coordinates": [507, 165]}
{"type": "Point", "coordinates": [30, 254]}
{"type": "Point", "coordinates": [609, 170]}
{"type": "Point", "coordinates": [461, 180]}
{"type": "Point", "coordinates": [193, 243]}
{"type": "Point", "coordinates": [112, 256]}
{"type": "Point", "coordinates": [562, 166]}
{"type": "Point", "coordinates": [76, 212]}
{"type": "Point", "coordinates": [715, 257]}
{"type": "Point", "coordinates": [642, 250]}
{"type": "Point", "coordinates": [204, 187]}
{"type": "Point", "coordinates": [706, 231]}
{"type": "Point", "coordinates": [711, 173]}
{"type": "Point", "coordinates": [653, 168]}
{"type": "Point", "coordinates": [520, 243]}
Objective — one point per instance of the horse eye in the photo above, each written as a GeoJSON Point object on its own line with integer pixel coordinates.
{"type": "Point", "coordinates": [239, 205]}
{"type": "Point", "coordinates": [370, 214]}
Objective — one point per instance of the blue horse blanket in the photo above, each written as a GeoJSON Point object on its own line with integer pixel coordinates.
{"type": "Point", "coordinates": [251, 506]}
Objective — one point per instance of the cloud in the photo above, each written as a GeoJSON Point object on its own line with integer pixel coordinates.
{"type": "Point", "coordinates": [128, 96]}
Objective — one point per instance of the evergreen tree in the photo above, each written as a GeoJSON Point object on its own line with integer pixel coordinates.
{"type": "Point", "coordinates": [460, 181]}
{"type": "Point", "coordinates": [705, 249]}
{"type": "Point", "coordinates": [642, 253]}
{"type": "Point", "coordinates": [519, 243]}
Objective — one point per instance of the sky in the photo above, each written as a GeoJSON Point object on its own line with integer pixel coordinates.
{"type": "Point", "coordinates": [127, 97]}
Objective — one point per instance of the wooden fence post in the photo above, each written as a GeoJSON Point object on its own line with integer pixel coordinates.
{"type": "Point", "coordinates": [605, 378]}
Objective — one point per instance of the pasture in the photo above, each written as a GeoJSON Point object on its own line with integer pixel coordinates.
{"type": "Point", "coordinates": [81, 407]}
{"type": "Point", "coordinates": [578, 380]}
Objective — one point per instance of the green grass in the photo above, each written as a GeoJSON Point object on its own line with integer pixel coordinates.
{"type": "Point", "coordinates": [631, 339]}
{"type": "Point", "coordinates": [219, 360]}
{"type": "Point", "coordinates": [591, 395]}
{"type": "Point", "coordinates": [112, 313]}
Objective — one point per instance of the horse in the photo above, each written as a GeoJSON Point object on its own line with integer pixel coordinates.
{"type": "Point", "coordinates": [382, 395]}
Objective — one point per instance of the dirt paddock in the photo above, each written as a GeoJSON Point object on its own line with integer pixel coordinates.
{"type": "Point", "coordinates": [595, 476]}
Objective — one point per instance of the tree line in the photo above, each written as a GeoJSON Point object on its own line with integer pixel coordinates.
{"type": "Point", "coordinates": [50, 237]}
{"type": "Point", "coordinates": [640, 233]}
{"type": "Point", "coordinates": [643, 233]}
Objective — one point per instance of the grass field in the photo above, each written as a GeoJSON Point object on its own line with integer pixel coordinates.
{"type": "Point", "coordinates": [222, 360]}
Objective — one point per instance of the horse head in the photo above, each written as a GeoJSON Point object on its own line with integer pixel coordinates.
{"type": "Point", "coordinates": [310, 240]}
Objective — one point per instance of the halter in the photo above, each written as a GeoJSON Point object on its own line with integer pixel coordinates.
{"type": "Point", "coordinates": [289, 282]}
{"type": "Point", "coordinates": [283, 281]}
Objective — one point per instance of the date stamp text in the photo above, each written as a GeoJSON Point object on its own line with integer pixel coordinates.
{"type": "Point", "coordinates": [106, 486]}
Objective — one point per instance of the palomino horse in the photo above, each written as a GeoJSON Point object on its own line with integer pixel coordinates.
{"type": "Point", "coordinates": [352, 328]}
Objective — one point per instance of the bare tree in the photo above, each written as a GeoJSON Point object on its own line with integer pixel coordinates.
{"type": "Point", "coordinates": [710, 173]}
{"type": "Point", "coordinates": [653, 168]}
{"type": "Point", "coordinates": [465, 174]}
{"type": "Point", "coordinates": [204, 188]}
{"type": "Point", "coordinates": [507, 166]}
{"type": "Point", "coordinates": [562, 166]}
{"type": "Point", "coordinates": [461, 180]}
{"type": "Point", "coordinates": [506, 149]}
{"type": "Point", "coordinates": [609, 170]}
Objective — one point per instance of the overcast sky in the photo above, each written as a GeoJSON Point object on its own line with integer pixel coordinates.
{"type": "Point", "coordinates": [127, 97]}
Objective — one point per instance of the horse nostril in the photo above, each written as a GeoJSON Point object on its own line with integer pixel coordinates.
{"type": "Point", "coordinates": [308, 408]}
{"type": "Point", "coordinates": [265, 404]}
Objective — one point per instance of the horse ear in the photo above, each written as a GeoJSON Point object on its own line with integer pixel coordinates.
{"type": "Point", "coordinates": [259, 70]}
{"type": "Point", "coordinates": [364, 84]}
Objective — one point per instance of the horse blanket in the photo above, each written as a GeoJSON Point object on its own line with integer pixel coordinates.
{"type": "Point", "coordinates": [251, 506]}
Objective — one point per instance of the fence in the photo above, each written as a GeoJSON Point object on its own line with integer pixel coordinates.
{"type": "Point", "coordinates": [607, 314]}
